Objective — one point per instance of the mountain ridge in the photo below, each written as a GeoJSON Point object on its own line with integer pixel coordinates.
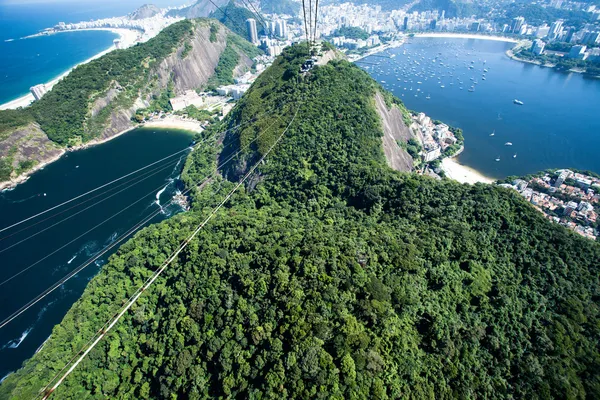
{"type": "Point", "coordinates": [99, 100]}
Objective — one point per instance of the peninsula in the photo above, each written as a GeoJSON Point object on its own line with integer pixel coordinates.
{"type": "Point", "coordinates": [118, 87]}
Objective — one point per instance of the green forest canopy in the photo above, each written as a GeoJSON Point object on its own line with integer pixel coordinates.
{"type": "Point", "coordinates": [335, 277]}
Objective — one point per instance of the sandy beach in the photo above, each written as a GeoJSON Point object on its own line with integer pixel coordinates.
{"type": "Point", "coordinates": [128, 38]}
{"type": "Point", "coordinates": [462, 173]}
{"type": "Point", "coordinates": [466, 36]}
{"type": "Point", "coordinates": [174, 122]}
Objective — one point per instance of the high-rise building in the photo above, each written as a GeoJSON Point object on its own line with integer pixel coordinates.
{"type": "Point", "coordinates": [475, 26]}
{"type": "Point", "coordinates": [578, 52]}
{"type": "Point", "coordinates": [590, 38]}
{"type": "Point", "coordinates": [538, 47]}
{"type": "Point", "coordinates": [570, 33]}
{"type": "Point", "coordinates": [281, 29]}
{"type": "Point", "coordinates": [38, 91]}
{"type": "Point", "coordinates": [517, 24]}
{"type": "Point", "coordinates": [405, 25]}
{"type": "Point", "coordinates": [556, 29]}
{"type": "Point", "coordinates": [433, 25]}
{"type": "Point", "coordinates": [252, 31]}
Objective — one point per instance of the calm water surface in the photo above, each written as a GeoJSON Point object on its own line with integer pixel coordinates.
{"type": "Point", "coordinates": [556, 127]}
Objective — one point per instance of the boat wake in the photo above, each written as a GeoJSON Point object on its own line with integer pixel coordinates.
{"type": "Point", "coordinates": [13, 344]}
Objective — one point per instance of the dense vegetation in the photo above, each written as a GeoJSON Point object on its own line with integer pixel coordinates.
{"type": "Point", "coordinates": [536, 15]}
{"type": "Point", "coordinates": [234, 18]}
{"type": "Point", "coordinates": [563, 63]}
{"type": "Point", "coordinates": [332, 276]}
{"type": "Point", "coordinates": [351, 32]}
{"type": "Point", "coordinates": [63, 112]}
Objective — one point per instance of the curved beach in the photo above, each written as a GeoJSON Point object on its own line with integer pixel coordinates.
{"type": "Point", "coordinates": [128, 38]}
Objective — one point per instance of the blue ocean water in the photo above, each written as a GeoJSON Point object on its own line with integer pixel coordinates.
{"type": "Point", "coordinates": [24, 63]}
{"type": "Point", "coordinates": [557, 127]}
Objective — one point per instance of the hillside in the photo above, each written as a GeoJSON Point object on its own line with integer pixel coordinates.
{"type": "Point", "coordinates": [200, 9]}
{"type": "Point", "coordinates": [98, 100]}
{"type": "Point", "coordinates": [333, 276]}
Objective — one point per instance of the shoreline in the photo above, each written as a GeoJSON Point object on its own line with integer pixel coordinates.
{"type": "Point", "coordinates": [170, 122]}
{"type": "Point", "coordinates": [462, 173]}
{"type": "Point", "coordinates": [127, 36]}
{"type": "Point", "coordinates": [450, 35]}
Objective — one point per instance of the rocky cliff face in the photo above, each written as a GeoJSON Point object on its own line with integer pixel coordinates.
{"type": "Point", "coordinates": [189, 67]}
{"type": "Point", "coordinates": [28, 146]}
{"type": "Point", "coordinates": [395, 131]}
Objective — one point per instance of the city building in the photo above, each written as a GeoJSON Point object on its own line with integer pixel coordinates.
{"type": "Point", "coordinates": [517, 24]}
{"type": "Point", "coordinates": [562, 177]}
{"type": "Point", "coordinates": [281, 29]}
{"type": "Point", "coordinates": [590, 38]}
{"type": "Point", "coordinates": [538, 47]}
{"type": "Point", "coordinates": [556, 30]}
{"type": "Point", "coordinates": [252, 31]}
{"type": "Point", "coordinates": [39, 91]}
{"type": "Point", "coordinates": [578, 52]}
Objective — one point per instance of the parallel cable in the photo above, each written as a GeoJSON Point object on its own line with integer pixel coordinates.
{"type": "Point", "coordinates": [62, 281]}
{"type": "Point", "coordinates": [227, 16]}
{"type": "Point", "coordinates": [156, 275]}
{"type": "Point", "coordinates": [80, 236]}
{"type": "Point", "coordinates": [90, 206]}
{"type": "Point", "coordinates": [91, 191]}
{"type": "Point", "coordinates": [261, 19]}
{"type": "Point", "coordinates": [72, 207]}
{"type": "Point", "coordinates": [109, 183]}
{"type": "Point", "coordinates": [305, 25]}
{"type": "Point", "coordinates": [316, 20]}
{"type": "Point", "coordinates": [310, 21]}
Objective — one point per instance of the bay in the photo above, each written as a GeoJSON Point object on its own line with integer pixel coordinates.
{"type": "Point", "coordinates": [74, 174]}
{"type": "Point", "coordinates": [556, 127]}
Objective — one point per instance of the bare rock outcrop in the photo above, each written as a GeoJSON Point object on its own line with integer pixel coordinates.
{"type": "Point", "coordinates": [395, 130]}
{"type": "Point", "coordinates": [28, 144]}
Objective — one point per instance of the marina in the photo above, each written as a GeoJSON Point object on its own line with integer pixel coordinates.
{"type": "Point", "coordinates": [471, 84]}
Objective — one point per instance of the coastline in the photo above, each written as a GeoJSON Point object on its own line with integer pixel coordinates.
{"type": "Point", "coordinates": [466, 36]}
{"type": "Point", "coordinates": [170, 122]}
{"type": "Point", "coordinates": [463, 174]}
{"type": "Point", "coordinates": [127, 36]}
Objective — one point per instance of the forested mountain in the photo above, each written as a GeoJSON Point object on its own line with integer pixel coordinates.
{"type": "Point", "coordinates": [99, 99]}
{"type": "Point", "coordinates": [332, 276]}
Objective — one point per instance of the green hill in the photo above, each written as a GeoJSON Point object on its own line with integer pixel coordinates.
{"type": "Point", "coordinates": [332, 276]}
{"type": "Point", "coordinates": [99, 99]}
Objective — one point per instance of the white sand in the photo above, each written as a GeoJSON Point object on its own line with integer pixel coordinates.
{"type": "Point", "coordinates": [128, 37]}
{"type": "Point", "coordinates": [462, 173]}
{"type": "Point", "coordinates": [174, 122]}
{"type": "Point", "coordinates": [466, 36]}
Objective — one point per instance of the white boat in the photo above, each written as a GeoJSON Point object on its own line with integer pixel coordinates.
{"type": "Point", "coordinates": [493, 133]}
{"type": "Point", "coordinates": [498, 159]}
{"type": "Point", "coordinates": [508, 144]}
{"type": "Point", "coordinates": [515, 156]}
{"type": "Point", "coordinates": [518, 102]}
